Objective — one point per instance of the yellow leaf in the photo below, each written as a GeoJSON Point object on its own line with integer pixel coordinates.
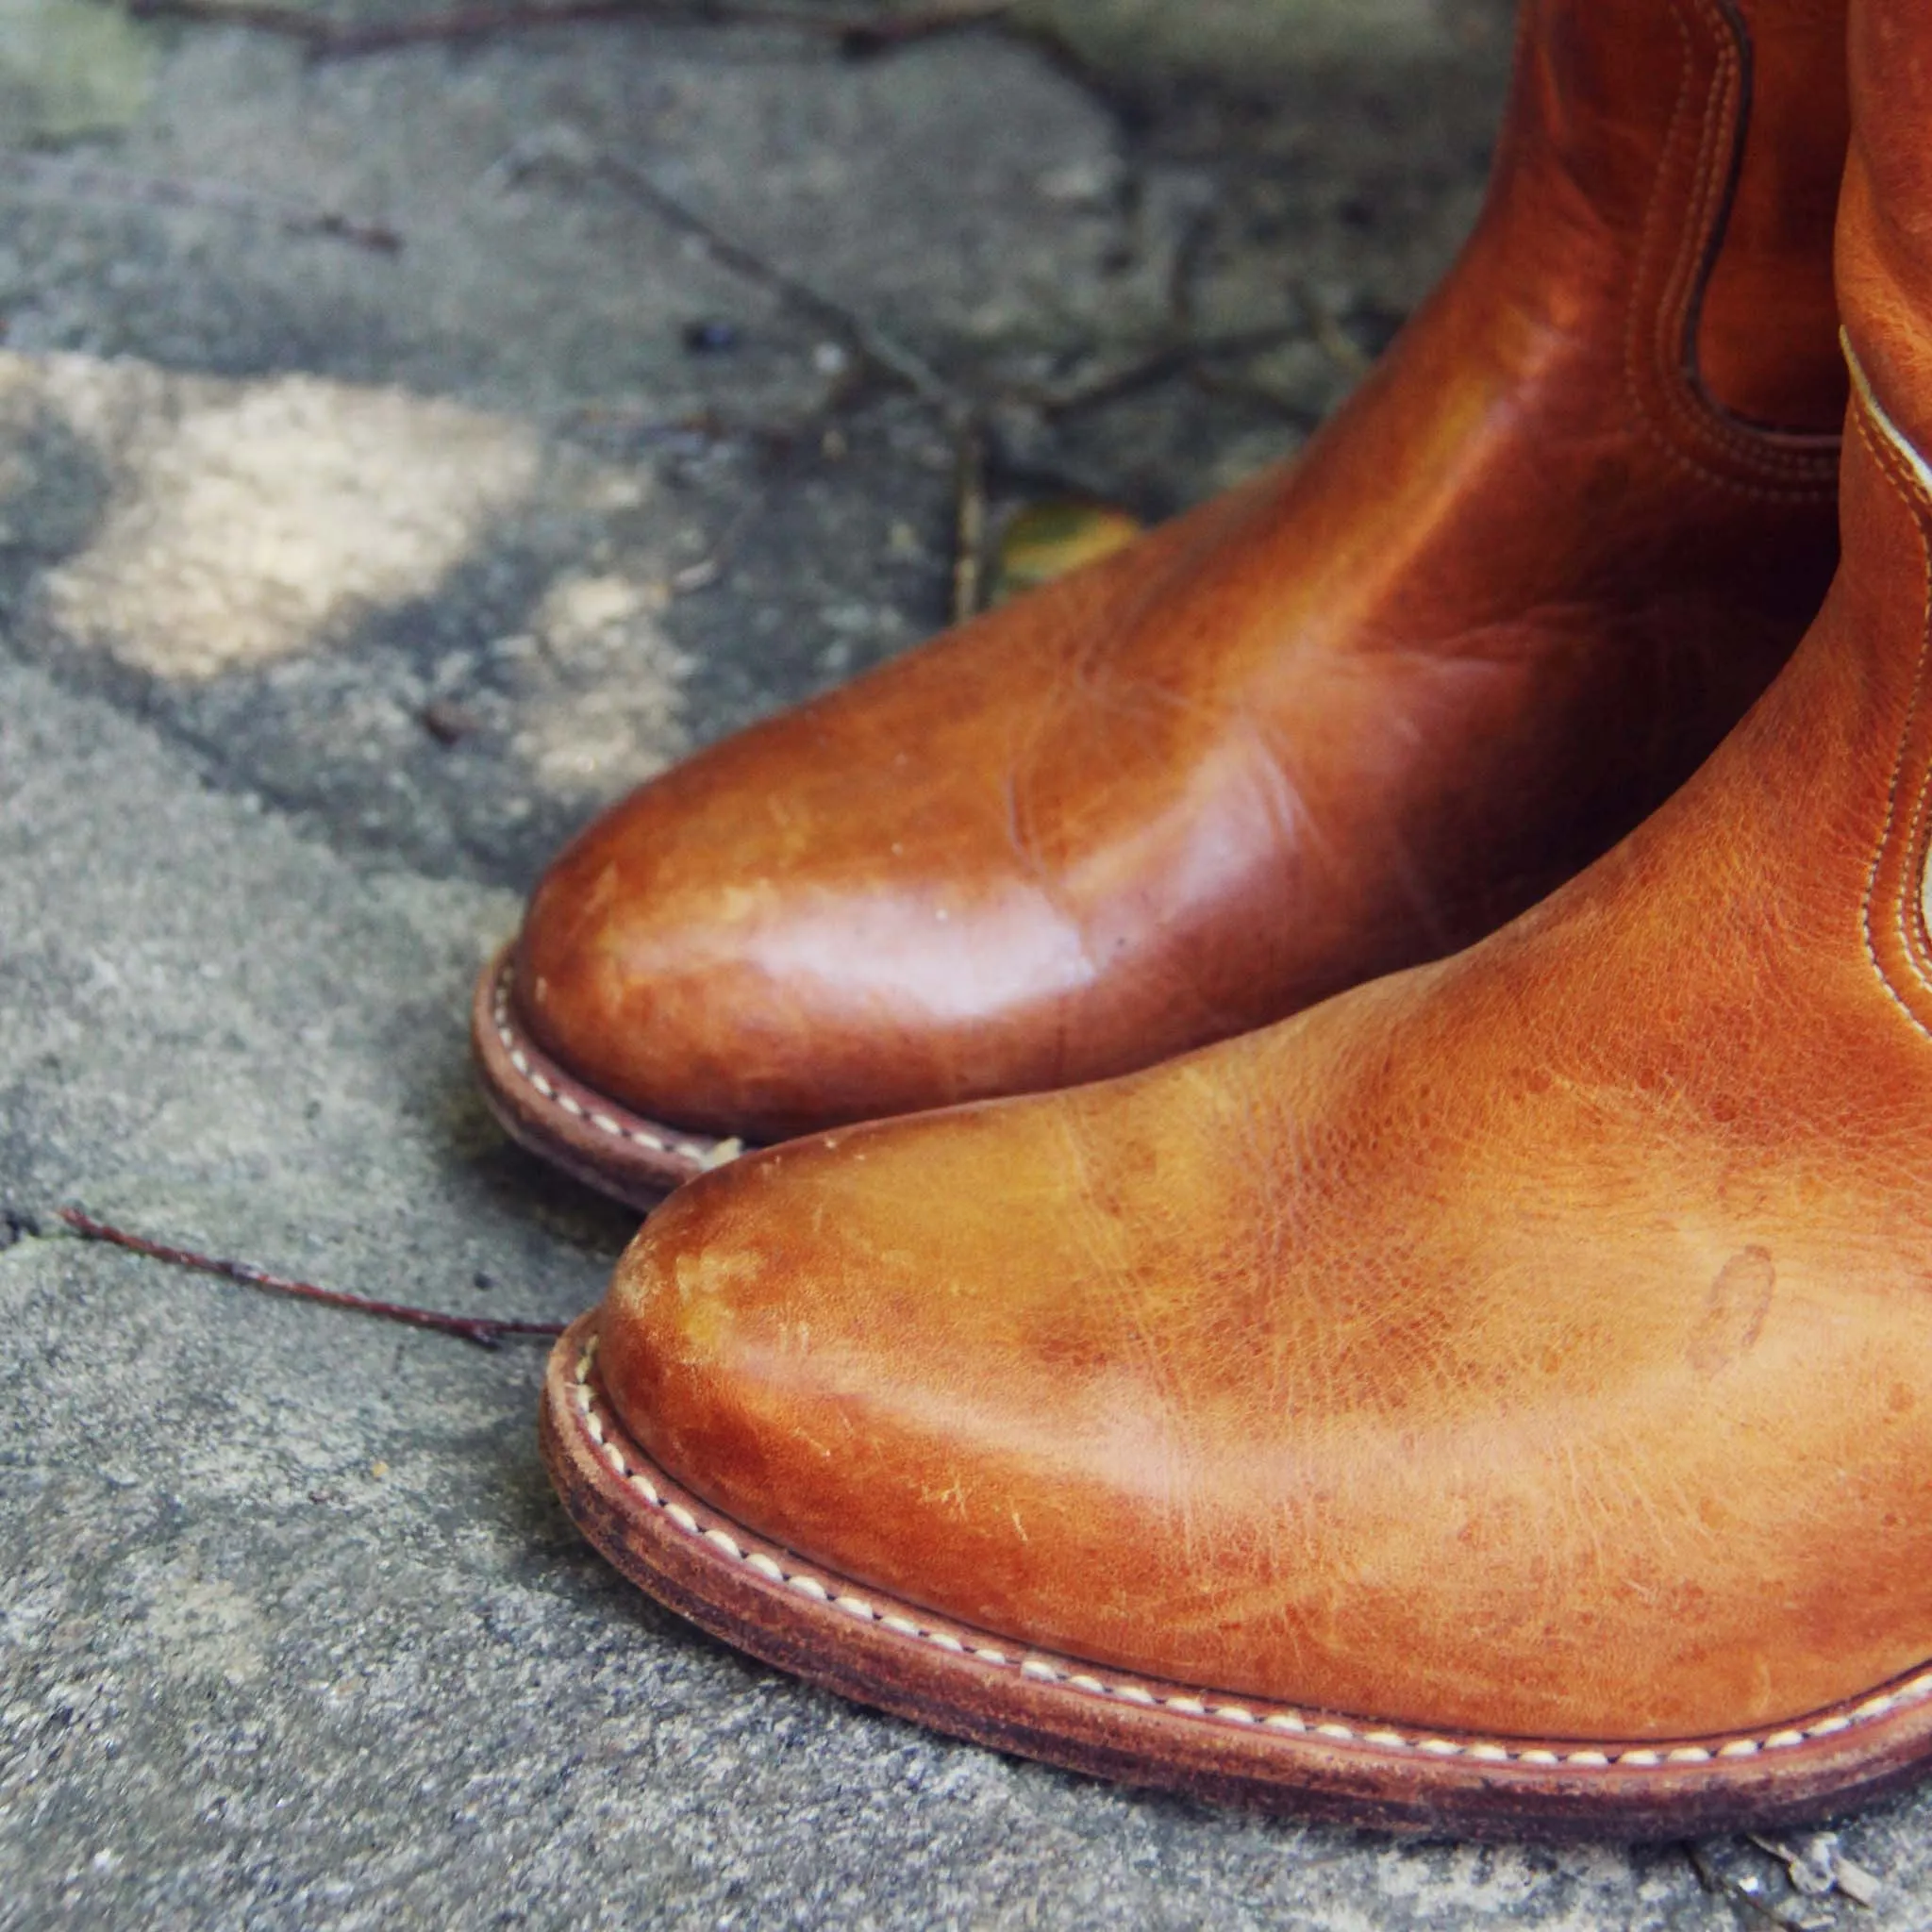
{"type": "Point", "coordinates": [1051, 539]}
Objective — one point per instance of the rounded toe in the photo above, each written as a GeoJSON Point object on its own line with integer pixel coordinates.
{"type": "Point", "coordinates": [610, 963]}
{"type": "Point", "coordinates": [788, 1339]}
{"type": "Point", "coordinates": [740, 948]}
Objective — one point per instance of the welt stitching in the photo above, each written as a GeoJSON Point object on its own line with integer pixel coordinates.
{"type": "Point", "coordinates": [1888, 460]}
{"type": "Point", "coordinates": [600, 1427]}
{"type": "Point", "coordinates": [521, 1057]}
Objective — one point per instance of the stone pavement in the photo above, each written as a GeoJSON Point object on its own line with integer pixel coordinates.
{"type": "Point", "coordinates": [399, 455]}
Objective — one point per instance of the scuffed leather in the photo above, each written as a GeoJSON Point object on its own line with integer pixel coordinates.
{"type": "Point", "coordinates": [1539, 1341]}
{"type": "Point", "coordinates": [1349, 717]}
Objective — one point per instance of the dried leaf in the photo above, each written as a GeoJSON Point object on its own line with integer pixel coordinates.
{"type": "Point", "coordinates": [1051, 539]}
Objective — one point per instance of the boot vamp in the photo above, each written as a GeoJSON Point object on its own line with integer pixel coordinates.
{"type": "Point", "coordinates": [1538, 1342]}
{"type": "Point", "coordinates": [1346, 719]}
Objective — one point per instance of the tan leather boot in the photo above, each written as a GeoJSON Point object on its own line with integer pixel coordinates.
{"type": "Point", "coordinates": [1348, 717]}
{"type": "Point", "coordinates": [1501, 1397]}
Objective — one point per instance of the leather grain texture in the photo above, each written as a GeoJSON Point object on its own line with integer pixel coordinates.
{"type": "Point", "coordinates": [1349, 717]}
{"type": "Point", "coordinates": [1535, 1345]}
{"type": "Point", "coordinates": [798, 1614]}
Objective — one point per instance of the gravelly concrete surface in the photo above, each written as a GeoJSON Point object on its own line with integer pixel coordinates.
{"type": "Point", "coordinates": [337, 582]}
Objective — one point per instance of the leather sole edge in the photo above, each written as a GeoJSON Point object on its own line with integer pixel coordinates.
{"type": "Point", "coordinates": [878, 1651]}
{"type": "Point", "coordinates": [548, 1111]}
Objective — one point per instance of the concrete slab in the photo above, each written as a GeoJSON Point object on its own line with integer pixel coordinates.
{"type": "Point", "coordinates": [337, 581]}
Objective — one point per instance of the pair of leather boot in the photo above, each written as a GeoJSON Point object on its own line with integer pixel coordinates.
{"type": "Point", "coordinates": [1501, 1397]}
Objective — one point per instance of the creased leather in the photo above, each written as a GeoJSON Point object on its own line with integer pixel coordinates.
{"type": "Point", "coordinates": [1783, 196]}
{"type": "Point", "coordinates": [1537, 1341]}
{"type": "Point", "coordinates": [1349, 717]}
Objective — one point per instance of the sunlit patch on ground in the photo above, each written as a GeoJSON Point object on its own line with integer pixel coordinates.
{"type": "Point", "coordinates": [246, 522]}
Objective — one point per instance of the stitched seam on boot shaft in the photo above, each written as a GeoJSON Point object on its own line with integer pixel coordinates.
{"type": "Point", "coordinates": [1694, 432]}
{"type": "Point", "coordinates": [1700, 232]}
{"type": "Point", "coordinates": [1719, 170]}
{"type": "Point", "coordinates": [1691, 424]}
{"type": "Point", "coordinates": [1908, 472]}
{"type": "Point", "coordinates": [1810, 452]}
{"type": "Point", "coordinates": [599, 1424]}
{"type": "Point", "coordinates": [1910, 908]}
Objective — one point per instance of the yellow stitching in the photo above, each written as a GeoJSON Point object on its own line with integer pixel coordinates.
{"type": "Point", "coordinates": [1088, 1683]}
{"type": "Point", "coordinates": [1695, 234]}
{"type": "Point", "coordinates": [1910, 905]}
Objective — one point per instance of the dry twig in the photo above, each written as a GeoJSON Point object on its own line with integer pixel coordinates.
{"type": "Point", "coordinates": [1171, 359]}
{"type": "Point", "coordinates": [884, 351]}
{"type": "Point", "coordinates": [62, 179]}
{"type": "Point", "coordinates": [969, 525]}
{"type": "Point", "coordinates": [1816, 1867]}
{"type": "Point", "coordinates": [482, 1330]}
{"type": "Point", "coordinates": [1333, 339]}
{"type": "Point", "coordinates": [1722, 1883]}
{"type": "Point", "coordinates": [852, 33]}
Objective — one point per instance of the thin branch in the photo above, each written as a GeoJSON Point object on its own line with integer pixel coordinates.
{"type": "Point", "coordinates": [1211, 382]}
{"type": "Point", "coordinates": [1170, 358]}
{"type": "Point", "coordinates": [483, 1331]}
{"type": "Point", "coordinates": [1819, 1867]}
{"type": "Point", "coordinates": [852, 33]}
{"type": "Point", "coordinates": [1335, 341]}
{"type": "Point", "coordinates": [884, 33]}
{"type": "Point", "coordinates": [1719, 1884]}
{"type": "Point", "coordinates": [884, 351]}
{"type": "Point", "coordinates": [1184, 271]}
{"type": "Point", "coordinates": [334, 39]}
{"type": "Point", "coordinates": [62, 180]}
{"type": "Point", "coordinates": [969, 525]}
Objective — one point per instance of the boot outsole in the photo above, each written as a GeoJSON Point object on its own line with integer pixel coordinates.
{"type": "Point", "coordinates": [993, 1691]}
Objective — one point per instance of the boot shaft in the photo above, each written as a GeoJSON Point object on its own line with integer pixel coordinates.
{"type": "Point", "coordinates": [1666, 185]}
{"type": "Point", "coordinates": [1774, 257]}
{"type": "Point", "coordinates": [1885, 230]}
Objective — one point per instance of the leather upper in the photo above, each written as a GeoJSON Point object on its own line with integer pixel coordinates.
{"type": "Point", "coordinates": [1347, 718]}
{"type": "Point", "coordinates": [1539, 1341]}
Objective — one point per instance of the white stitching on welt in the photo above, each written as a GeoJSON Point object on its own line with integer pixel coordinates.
{"type": "Point", "coordinates": [601, 1428]}
{"type": "Point", "coordinates": [516, 1051]}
